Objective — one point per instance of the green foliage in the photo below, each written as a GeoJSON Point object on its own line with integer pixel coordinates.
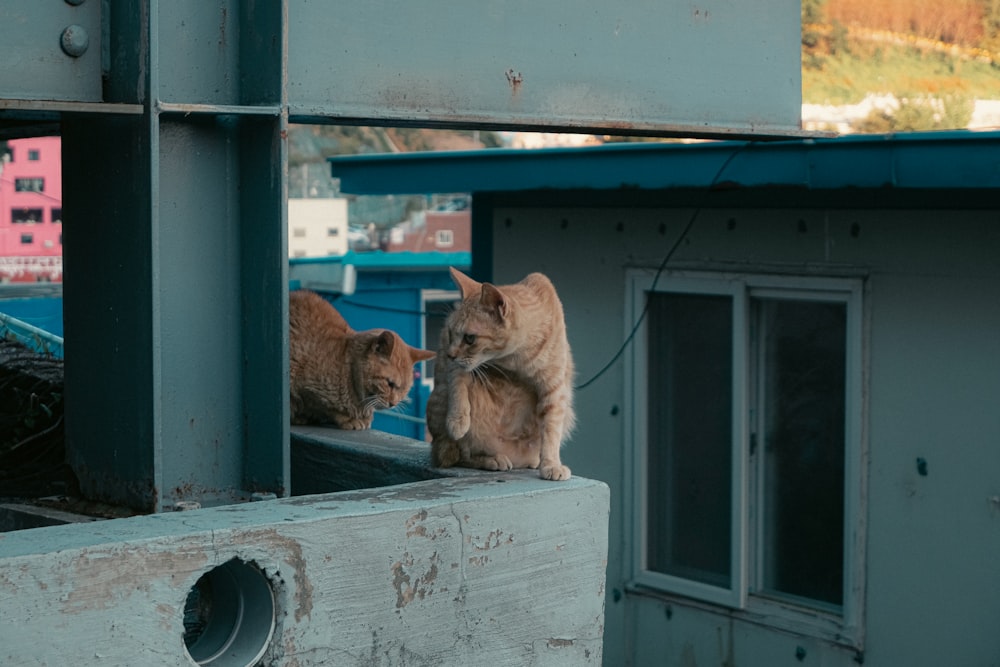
{"type": "Point", "coordinates": [845, 78]}
{"type": "Point", "coordinates": [812, 37]}
{"type": "Point", "coordinates": [991, 26]}
{"type": "Point", "coordinates": [918, 114]}
{"type": "Point", "coordinates": [812, 11]}
{"type": "Point", "coordinates": [308, 144]}
{"type": "Point", "coordinates": [838, 42]}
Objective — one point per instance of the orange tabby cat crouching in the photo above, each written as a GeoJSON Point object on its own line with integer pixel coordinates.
{"type": "Point", "coordinates": [340, 375]}
{"type": "Point", "coordinates": [503, 387]}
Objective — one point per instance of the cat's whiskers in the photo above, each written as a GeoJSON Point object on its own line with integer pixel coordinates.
{"type": "Point", "coordinates": [398, 407]}
{"type": "Point", "coordinates": [499, 369]}
{"type": "Point", "coordinates": [372, 403]}
{"type": "Point", "coordinates": [480, 375]}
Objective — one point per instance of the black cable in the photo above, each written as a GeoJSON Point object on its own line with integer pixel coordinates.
{"type": "Point", "coordinates": [663, 266]}
{"type": "Point", "coordinates": [659, 271]}
{"type": "Point", "coordinates": [385, 309]}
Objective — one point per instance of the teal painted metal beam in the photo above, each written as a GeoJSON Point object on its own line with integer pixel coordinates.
{"type": "Point", "coordinates": [959, 160]}
{"type": "Point", "coordinates": [176, 296]}
{"type": "Point", "coordinates": [713, 68]}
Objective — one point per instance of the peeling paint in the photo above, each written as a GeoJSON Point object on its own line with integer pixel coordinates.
{"type": "Point", "coordinates": [103, 579]}
{"type": "Point", "coordinates": [294, 557]}
{"type": "Point", "coordinates": [125, 592]}
{"type": "Point", "coordinates": [494, 540]}
{"type": "Point", "coordinates": [412, 527]}
{"type": "Point", "coordinates": [407, 588]}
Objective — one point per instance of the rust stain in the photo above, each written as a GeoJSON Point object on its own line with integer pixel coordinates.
{"type": "Point", "coordinates": [413, 527]}
{"type": "Point", "coordinates": [303, 587]}
{"type": "Point", "coordinates": [222, 28]}
{"type": "Point", "coordinates": [514, 80]}
{"type": "Point", "coordinates": [494, 540]}
{"type": "Point", "coordinates": [410, 588]}
{"type": "Point", "coordinates": [166, 613]}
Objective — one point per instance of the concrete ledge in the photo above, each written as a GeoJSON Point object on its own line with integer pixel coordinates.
{"type": "Point", "coordinates": [20, 516]}
{"type": "Point", "coordinates": [451, 571]}
{"type": "Point", "coordinates": [328, 459]}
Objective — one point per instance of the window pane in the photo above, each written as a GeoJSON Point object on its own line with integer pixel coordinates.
{"type": "Point", "coordinates": [690, 436]}
{"type": "Point", "coordinates": [804, 386]}
{"type": "Point", "coordinates": [25, 215]}
{"type": "Point", "coordinates": [29, 184]}
{"type": "Point", "coordinates": [435, 313]}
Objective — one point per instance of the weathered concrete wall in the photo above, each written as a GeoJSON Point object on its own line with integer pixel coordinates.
{"type": "Point", "coordinates": [504, 568]}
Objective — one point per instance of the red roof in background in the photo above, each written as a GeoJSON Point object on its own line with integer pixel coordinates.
{"type": "Point", "coordinates": [449, 231]}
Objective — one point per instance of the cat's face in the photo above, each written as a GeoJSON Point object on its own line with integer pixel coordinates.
{"type": "Point", "coordinates": [389, 370]}
{"type": "Point", "coordinates": [474, 335]}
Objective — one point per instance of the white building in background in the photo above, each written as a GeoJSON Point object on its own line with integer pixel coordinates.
{"type": "Point", "coordinates": [317, 227]}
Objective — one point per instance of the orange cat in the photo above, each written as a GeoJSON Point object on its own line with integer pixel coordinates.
{"type": "Point", "coordinates": [340, 375]}
{"type": "Point", "coordinates": [504, 429]}
{"type": "Point", "coordinates": [505, 375]}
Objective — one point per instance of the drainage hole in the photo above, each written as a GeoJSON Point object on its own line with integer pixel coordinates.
{"type": "Point", "coordinates": [229, 616]}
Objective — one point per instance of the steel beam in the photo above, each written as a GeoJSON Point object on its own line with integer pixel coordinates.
{"type": "Point", "coordinates": [710, 67]}
{"type": "Point", "coordinates": [176, 297]}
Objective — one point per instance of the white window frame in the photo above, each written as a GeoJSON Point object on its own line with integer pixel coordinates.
{"type": "Point", "coordinates": [444, 238]}
{"type": "Point", "coordinates": [432, 296]}
{"type": "Point", "coordinates": [843, 625]}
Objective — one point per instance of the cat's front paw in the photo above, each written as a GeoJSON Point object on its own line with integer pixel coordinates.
{"type": "Point", "coordinates": [353, 424]}
{"type": "Point", "coordinates": [458, 424]}
{"type": "Point", "coordinates": [553, 470]}
{"type": "Point", "coordinates": [499, 462]}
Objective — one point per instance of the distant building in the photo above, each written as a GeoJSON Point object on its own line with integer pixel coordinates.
{"type": "Point", "coordinates": [317, 227]}
{"type": "Point", "coordinates": [445, 231]}
{"type": "Point", "coordinates": [31, 210]}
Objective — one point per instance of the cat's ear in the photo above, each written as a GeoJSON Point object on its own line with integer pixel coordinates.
{"type": "Point", "coordinates": [384, 343]}
{"type": "Point", "coordinates": [466, 285]}
{"type": "Point", "coordinates": [421, 355]}
{"type": "Point", "coordinates": [494, 302]}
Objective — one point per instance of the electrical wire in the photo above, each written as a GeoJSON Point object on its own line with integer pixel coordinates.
{"type": "Point", "coordinates": [384, 309]}
{"type": "Point", "coordinates": [663, 265]}
{"type": "Point", "coordinates": [659, 272]}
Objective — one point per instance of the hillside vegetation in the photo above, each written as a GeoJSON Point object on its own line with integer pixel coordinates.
{"type": "Point", "coordinates": [936, 57]}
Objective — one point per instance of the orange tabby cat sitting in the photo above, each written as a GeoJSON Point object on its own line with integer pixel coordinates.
{"type": "Point", "coordinates": [340, 375]}
{"type": "Point", "coordinates": [503, 386]}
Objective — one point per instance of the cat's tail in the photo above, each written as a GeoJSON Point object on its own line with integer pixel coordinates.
{"type": "Point", "coordinates": [445, 452]}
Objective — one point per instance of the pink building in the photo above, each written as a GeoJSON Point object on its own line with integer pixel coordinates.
{"type": "Point", "coordinates": [31, 210]}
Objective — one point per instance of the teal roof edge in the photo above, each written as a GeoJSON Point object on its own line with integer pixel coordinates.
{"type": "Point", "coordinates": [932, 160]}
{"type": "Point", "coordinates": [377, 259]}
